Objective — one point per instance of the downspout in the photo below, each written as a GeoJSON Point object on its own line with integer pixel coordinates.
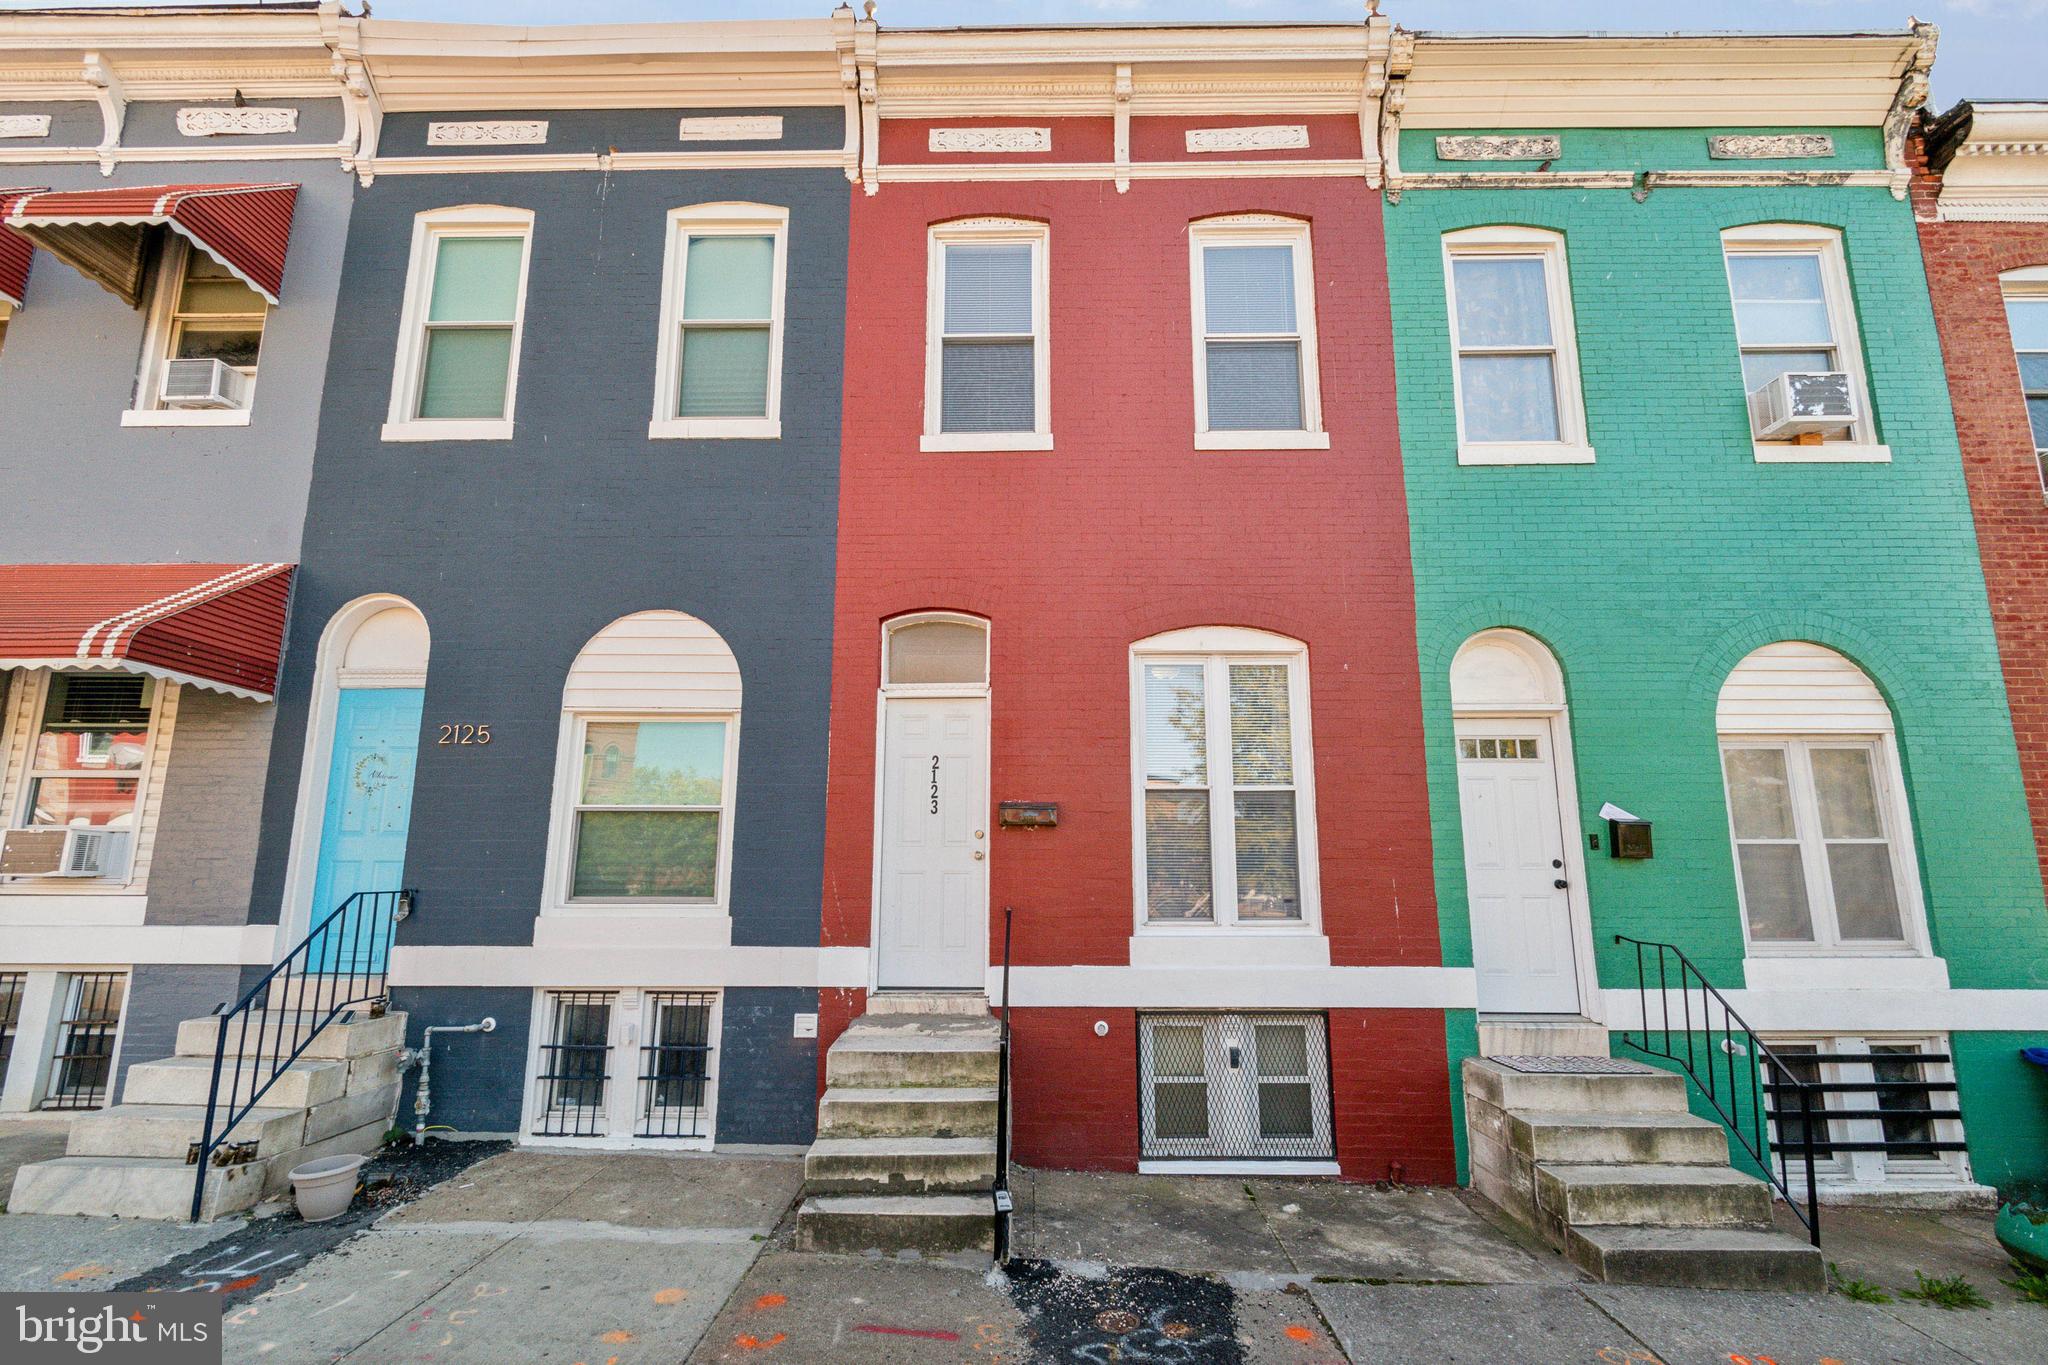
{"type": "Point", "coordinates": [422, 1099]}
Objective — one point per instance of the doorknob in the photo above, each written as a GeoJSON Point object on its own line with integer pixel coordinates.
{"type": "Point", "coordinates": [1560, 883]}
{"type": "Point", "coordinates": [1557, 862]}
{"type": "Point", "coordinates": [979, 855]}
{"type": "Point", "coordinates": [983, 834]}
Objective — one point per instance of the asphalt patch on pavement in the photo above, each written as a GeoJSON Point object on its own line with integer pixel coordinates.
{"type": "Point", "coordinates": [1126, 1316]}
{"type": "Point", "coordinates": [243, 1264]}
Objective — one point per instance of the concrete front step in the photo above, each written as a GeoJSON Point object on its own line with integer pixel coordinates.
{"type": "Point", "coordinates": [301, 1085]}
{"type": "Point", "coordinates": [1568, 1036]}
{"type": "Point", "coordinates": [900, 1165]}
{"type": "Point", "coordinates": [920, 1050]}
{"type": "Point", "coordinates": [1698, 1258]}
{"type": "Point", "coordinates": [1639, 1090]}
{"type": "Point", "coordinates": [166, 1131]}
{"type": "Point", "coordinates": [908, 1111]}
{"type": "Point", "coordinates": [970, 1004]}
{"type": "Point", "coordinates": [133, 1187]}
{"type": "Point", "coordinates": [270, 1033]}
{"type": "Point", "coordinates": [1648, 1196]}
{"type": "Point", "coordinates": [1621, 1139]}
{"type": "Point", "coordinates": [935, 1224]}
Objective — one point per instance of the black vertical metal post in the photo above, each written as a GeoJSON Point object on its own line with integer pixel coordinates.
{"type": "Point", "coordinates": [1001, 1192]}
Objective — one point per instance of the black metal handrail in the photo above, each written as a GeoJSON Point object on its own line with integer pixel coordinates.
{"type": "Point", "coordinates": [1720, 1083]}
{"type": "Point", "coordinates": [1004, 1203]}
{"type": "Point", "coordinates": [343, 962]}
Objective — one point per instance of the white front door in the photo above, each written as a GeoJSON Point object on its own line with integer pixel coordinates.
{"type": "Point", "coordinates": [1515, 876]}
{"type": "Point", "coordinates": [934, 885]}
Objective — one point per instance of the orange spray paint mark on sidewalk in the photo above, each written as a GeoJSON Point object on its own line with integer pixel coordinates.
{"type": "Point", "coordinates": [1296, 1332]}
{"type": "Point", "coordinates": [770, 1301]}
{"type": "Point", "coordinates": [665, 1297]}
{"type": "Point", "coordinates": [618, 1336]}
{"type": "Point", "coordinates": [752, 1343]}
{"type": "Point", "coordinates": [82, 1272]}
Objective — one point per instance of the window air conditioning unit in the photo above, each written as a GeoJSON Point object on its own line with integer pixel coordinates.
{"type": "Point", "coordinates": [204, 384]}
{"type": "Point", "coordinates": [1794, 404]}
{"type": "Point", "coordinates": [67, 852]}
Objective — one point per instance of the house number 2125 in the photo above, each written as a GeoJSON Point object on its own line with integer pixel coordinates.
{"type": "Point", "coordinates": [465, 734]}
{"type": "Point", "coordinates": [935, 784]}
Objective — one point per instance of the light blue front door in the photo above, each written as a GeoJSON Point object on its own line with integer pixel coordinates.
{"type": "Point", "coordinates": [369, 806]}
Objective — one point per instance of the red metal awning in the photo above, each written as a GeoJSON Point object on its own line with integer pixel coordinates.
{"type": "Point", "coordinates": [217, 626]}
{"type": "Point", "coordinates": [16, 254]}
{"type": "Point", "coordinates": [104, 234]}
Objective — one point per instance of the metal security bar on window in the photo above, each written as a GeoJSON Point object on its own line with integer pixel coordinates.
{"type": "Point", "coordinates": [82, 1064]}
{"type": "Point", "coordinates": [1880, 1101]}
{"type": "Point", "coordinates": [675, 1066]}
{"type": "Point", "coordinates": [1235, 1086]}
{"type": "Point", "coordinates": [12, 984]}
{"type": "Point", "coordinates": [574, 1066]}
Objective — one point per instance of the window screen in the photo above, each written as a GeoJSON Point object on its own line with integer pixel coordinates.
{"type": "Point", "coordinates": [727, 326]}
{"type": "Point", "coordinates": [1252, 338]}
{"type": "Point", "coordinates": [470, 322]}
{"type": "Point", "coordinates": [988, 351]}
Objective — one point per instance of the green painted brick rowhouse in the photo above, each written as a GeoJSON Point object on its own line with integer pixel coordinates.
{"type": "Point", "coordinates": [1652, 571]}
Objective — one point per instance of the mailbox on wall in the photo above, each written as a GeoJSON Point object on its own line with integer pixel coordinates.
{"type": "Point", "coordinates": [1628, 836]}
{"type": "Point", "coordinates": [1027, 814]}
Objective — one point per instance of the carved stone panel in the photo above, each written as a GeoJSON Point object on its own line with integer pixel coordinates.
{"type": "Point", "coordinates": [494, 133]}
{"type": "Point", "coordinates": [231, 122]}
{"type": "Point", "coordinates": [739, 128]}
{"type": "Point", "coordinates": [1267, 139]}
{"type": "Point", "coordinates": [991, 139]}
{"type": "Point", "coordinates": [1768, 146]}
{"type": "Point", "coordinates": [24, 125]}
{"type": "Point", "coordinates": [1541, 147]}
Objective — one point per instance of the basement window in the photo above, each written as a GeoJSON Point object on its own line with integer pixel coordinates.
{"type": "Point", "coordinates": [625, 1068]}
{"type": "Point", "coordinates": [82, 1058]}
{"type": "Point", "coordinates": [1886, 1117]}
{"type": "Point", "coordinates": [1218, 1088]}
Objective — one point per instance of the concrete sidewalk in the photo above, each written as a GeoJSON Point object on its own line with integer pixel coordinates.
{"type": "Point", "coordinates": [532, 1256]}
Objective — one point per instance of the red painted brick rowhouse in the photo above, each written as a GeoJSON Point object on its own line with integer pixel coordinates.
{"type": "Point", "coordinates": [1980, 195]}
{"type": "Point", "coordinates": [1124, 627]}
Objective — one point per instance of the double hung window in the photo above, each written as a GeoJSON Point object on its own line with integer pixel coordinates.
{"type": "Point", "coordinates": [988, 370]}
{"type": "Point", "coordinates": [1789, 288]}
{"type": "Point", "coordinates": [2026, 313]}
{"type": "Point", "coordinates": [719, 366]}
{"type": "Point", "coordinates": [651, 800]}
{"type": "Point", "coordinates": [1513, 348]}
{"type": "Point", "coordinates": [1254, 320]}
{"type": "Point", "coordinates": [458, 360]}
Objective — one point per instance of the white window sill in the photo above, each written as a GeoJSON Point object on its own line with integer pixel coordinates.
{"type": "Point", "coordinates": [714, 429]}
{"type": "Point", "coordinates": [1262, 440]}
{"type": "Point", "coordinates": [1837, 970]}
{"type": "Point", "coordinates": [1830, 452]}
{"type": "Point", "coordinates": [1249, 1166]}
{"type": "Point", "coordinates": [185, 417]}
{"type": "Point", "coordinates": [1229, 946]}
{"type": "Point", "coordinates": [1535, 452]}
{"type": "Point", "coordinates": [447, 431]}
{"type": "Point", "coordinates": [986, 440]}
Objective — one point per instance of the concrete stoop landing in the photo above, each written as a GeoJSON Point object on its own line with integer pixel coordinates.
{"type": "Point", "coordinates": [1613, 1170]}
{"type": "Point", "coordinates": [906, 1150]}
{"type": "Point", "coordinates": [128, 1160]}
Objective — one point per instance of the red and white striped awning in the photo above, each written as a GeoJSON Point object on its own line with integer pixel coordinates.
{"type": "Point", "coordinates": [104, 234]}
{"type": "Point", "coordinates": [216, 626]}
{"type": "Point", "coordinates": [16, 254]}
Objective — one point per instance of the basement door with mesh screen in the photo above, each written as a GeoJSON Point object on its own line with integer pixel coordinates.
{"type": "Point", "coordinates": [624, 1068]}
{"type": "Point", "coordinates": [1234, 1087]}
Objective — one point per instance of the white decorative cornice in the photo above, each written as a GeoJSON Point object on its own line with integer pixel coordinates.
{"type": "Point", "coordinates": [112, 99]}
{"type": "Point", "coordinates": [997, 140]}
{"type": "Point", "coordinates": [735, 128]}
{"type": "Point", "coordinates": [2003, 149]}
{"type": "Point", "coordinates": [1267, 139]}
{"type": "Point", "coordinates": [24, 125]}
{"type": "Point", "coordinates": [488, 133]}
{"type": "Point", "coordinates": [233, 122]}
{"type": "Point", "coordinates": [1541, 147]}
{"type": "Point", "coordinates": [2020, 208]}
{"type": "Point", "coordinates": [1768, 146]}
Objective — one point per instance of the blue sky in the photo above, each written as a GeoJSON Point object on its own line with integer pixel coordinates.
{"type": "Point", "coordinates": [1989, 48]}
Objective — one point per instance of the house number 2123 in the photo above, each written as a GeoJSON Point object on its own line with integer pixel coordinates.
{"type": "Point", "coordinates": [465, 734]}
{"type": "Point", "coordinates": [935, 784]}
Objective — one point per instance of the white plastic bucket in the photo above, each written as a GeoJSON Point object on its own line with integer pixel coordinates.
{"type": "Point", "coordinates": [324, 1188]}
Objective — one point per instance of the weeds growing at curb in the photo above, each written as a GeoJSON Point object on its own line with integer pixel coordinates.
{"type": "Point", "coordinates": [2029, 1285]}
{"type": "Point", "coordinates": [1863, 1291]}
{"type": "Point", "coordinates": [1946, 1291]}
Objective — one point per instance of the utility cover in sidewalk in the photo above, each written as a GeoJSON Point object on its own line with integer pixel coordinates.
{"type": "Point", "coordinates": [1575, 1066]}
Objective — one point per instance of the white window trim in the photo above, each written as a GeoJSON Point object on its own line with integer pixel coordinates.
{"type": "Point", "coordinates": [145, 409]}
{"type": "Point", "coordinates": [1258, 229]}
{"type": "Point", "coordinates": [1572, 446]}
{"type": "Point", "coordinates": [925, 618]}
{"type": "Point", "coordinates": [2030, 283]}
{"type": "Point", "coordinates": [1874, 1172]}
{"type": "Point", "coordinates": [561, 870]}
{"type": "Point", "coordinates": [716, 220]}
{"type": "Point", "coordinates": [1862, 446]}
{"type": "Point", "coordinates": [1898, 829]}
{"type": "Point", "coordinates": [17, 747]}
{"type": "Point", "coordinates": [472, 220]}
{"type": "Point", "coordinates": [622, 1101]}
{"type": "Point", "coordinates": [985, 232]}
{"type": "Point", "coordinates": [1230, 644]}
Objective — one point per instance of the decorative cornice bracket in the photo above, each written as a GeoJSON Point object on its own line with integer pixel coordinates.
{"type": "Point", "coordinates": [1912, 93]}
{"type": "Point", "coordinates": [1123, 127]}
{"type": "Point", "coordinates": [113, 103]}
